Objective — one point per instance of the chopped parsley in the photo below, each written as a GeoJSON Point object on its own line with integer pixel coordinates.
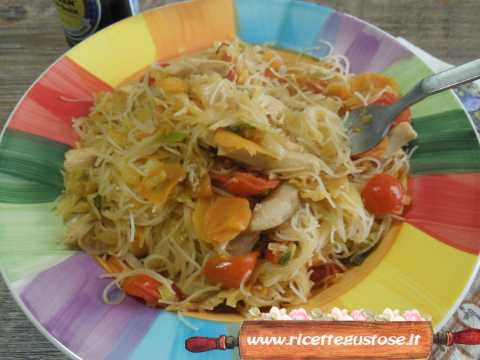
{"type": "Point", "coordinates": [173, 137]}
{"type": "Point", "coordinates": [285, 258]}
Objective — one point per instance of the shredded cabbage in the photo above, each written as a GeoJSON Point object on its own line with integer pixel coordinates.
{"type": "Point", "coordinates": [152, 141]}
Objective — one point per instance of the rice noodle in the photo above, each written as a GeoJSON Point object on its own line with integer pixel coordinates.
{"type": "Point", "coordinates": [118, 206]}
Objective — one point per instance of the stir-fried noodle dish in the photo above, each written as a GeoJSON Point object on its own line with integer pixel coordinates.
{"type": "Point", "coordinates": [225, 179]}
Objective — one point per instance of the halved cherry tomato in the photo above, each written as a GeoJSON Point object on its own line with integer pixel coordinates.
{"type": "Point", "coordinates": [143, 287]}
{"type": "Point", "coordinates": [147, 289]}
{"type": "Point", "coordinates": [245, 184]}
{"type": "Point", "coordinates": [322, 272]}
{"type": "Point", "coordinates": [383, 194]}
{"type": "Point", "coordinates": [389, 99]}
{"type": "Point", "coordinates": [230, 271]}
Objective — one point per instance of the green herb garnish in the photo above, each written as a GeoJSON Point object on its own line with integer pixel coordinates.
{"type": "Point", "coordinates": [184, 199]}
{"type": "Point", "coordinates": [285, 258]}
{"type": "Point", "coordinates": [97, 201]}
{"type": "Point", "coordinates": [173, 137]}
{"type": "Point", "coordinates": [359, 256]}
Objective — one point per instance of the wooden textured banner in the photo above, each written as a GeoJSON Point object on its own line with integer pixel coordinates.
{"type": "Point", "coordinates": [335, 340]}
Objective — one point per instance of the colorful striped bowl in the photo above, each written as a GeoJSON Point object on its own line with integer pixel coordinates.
{"type": "Point", "coordinates": [426, 263]}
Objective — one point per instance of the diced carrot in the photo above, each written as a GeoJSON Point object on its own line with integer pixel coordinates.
{"type": "Point", "coordinates": [112, 264]}
{"type": "Point", "coordinates": [342, 90]}
{"type": "Point", "coordinates": [373, 83]}
{"type": "Point", "coordinates": [204, 188]}
{"type": "Point", "coordinates": [275, 60]}
{"type": "Point", "coordinates": [160, 182]}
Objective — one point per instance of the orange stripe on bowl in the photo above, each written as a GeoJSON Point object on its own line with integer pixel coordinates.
{"type": "Point", "coordinates": [189, 27]}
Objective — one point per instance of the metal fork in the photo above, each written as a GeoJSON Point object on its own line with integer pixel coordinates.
{"type": "Point", "coordinates": [368, 126]}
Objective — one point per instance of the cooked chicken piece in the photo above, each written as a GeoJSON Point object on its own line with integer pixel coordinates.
{"type": "Point", "coordinates": [297, 160]}
{"type": "Point", "coordinates": [272, 145]}
{"type": "Point", "coordinates": [242, 244]}
{"type": "Point", "coordinates": [79, 158]}
{"type": "Point", "coordinates": [399, 136]}
{"type": "Point", "coordinates": [277, 208]}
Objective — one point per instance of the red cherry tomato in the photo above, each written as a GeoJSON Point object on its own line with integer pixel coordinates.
{"type": "Point", "coordinates": [230, 271]}
{"type": "Point", "coordinates": [147, 288]}
{"type": "Point", "coordinates": [143, 287]}
{"type": "Point", "coordinates": [389, 99]}
{"type": "Point", "coordinates": [383, 195]}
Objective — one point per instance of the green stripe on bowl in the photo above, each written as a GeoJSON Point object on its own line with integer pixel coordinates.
{"type": "Point", "coordinates": [30, 168]}
{"type": "Point", "coordinates": [407, 73]}
{"type": "Point", "coordinates": [15, 190]}
{"type": "Point", "coordinates": [31, 238]}
{"type": "Point", "coordinates": [446, 143]}
{"type": "Point", "coordinates": [446, 140]}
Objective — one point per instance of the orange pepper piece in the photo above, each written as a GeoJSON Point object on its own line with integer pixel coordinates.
{"type": "Point", "coordinates": [219, 219]}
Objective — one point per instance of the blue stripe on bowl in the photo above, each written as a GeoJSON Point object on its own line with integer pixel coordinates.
{"type": "Point", "coordinates": [167, 335]}
{"type": "Point", "coordinates": [285, 23]}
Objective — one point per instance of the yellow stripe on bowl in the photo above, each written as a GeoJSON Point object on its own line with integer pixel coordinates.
{"type": "Point", "coordinates": [117, 51]}
{"type": "Point", "coordinates": [417, 272]}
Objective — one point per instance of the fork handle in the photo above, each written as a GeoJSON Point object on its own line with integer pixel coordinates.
{"type": "Point", "coordinates": [441, 81]}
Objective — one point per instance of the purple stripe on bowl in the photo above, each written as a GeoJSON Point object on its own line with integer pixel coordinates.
{"type": "Point", "coordinates": [349, 27]}
{"type": "Point", "coordinates": [388, 53]}
{"type": "Point", "coordinates": [362, 51]}
{"type": "Point", "coordinates": [330, 28]}
{"type": "Point", "coordinates": [67, 300]}
{"type": "Point", "coordinates": [367, 48]}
